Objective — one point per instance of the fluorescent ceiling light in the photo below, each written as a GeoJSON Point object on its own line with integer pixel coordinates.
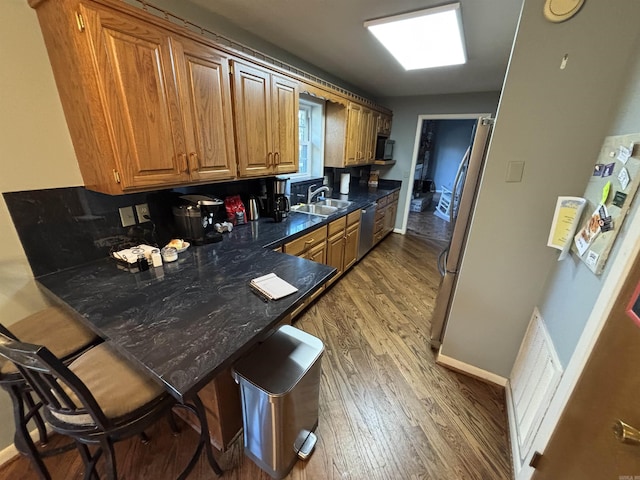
{"type": "Point", "coordinates": [424, 38]}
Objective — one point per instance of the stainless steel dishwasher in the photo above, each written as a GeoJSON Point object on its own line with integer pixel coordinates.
{"type": "Point", "coordinates": [367, 219]}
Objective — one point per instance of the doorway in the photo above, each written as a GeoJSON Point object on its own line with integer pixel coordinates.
{"type": "Point", "coordinates": [440, 145]}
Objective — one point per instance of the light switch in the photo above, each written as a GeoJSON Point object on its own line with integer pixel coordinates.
{"type": "Point", "coordinates": [514, 171]}
{"type": "Point", "coordinates": [126, 216]}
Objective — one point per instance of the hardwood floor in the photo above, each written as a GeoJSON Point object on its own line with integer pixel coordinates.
{"type": "Point", "coordinates": [387, 411]}
{"type": "Point", "coordinates": [427, 224]}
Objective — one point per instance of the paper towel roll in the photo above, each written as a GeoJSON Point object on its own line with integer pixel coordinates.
{"type": "Point", "coordinates": [345, 178]}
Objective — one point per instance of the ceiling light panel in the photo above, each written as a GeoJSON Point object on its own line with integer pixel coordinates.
{"type": "Point", "coordinates": [423, 39]}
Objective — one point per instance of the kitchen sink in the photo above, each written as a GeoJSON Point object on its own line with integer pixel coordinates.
{"type": "Point", "coordinates": [332, 202]}
{"type": "Point", "coordinates": [315, 209]}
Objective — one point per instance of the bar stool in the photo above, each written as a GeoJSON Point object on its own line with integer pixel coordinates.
{"type": "Point", "coordinates": [67, 338]}
{"type": "Point", "coordinates": [99, 399]}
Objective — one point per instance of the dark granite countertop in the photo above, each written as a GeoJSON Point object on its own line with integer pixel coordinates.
{"type": "Point", "coordinates": [189, 320]}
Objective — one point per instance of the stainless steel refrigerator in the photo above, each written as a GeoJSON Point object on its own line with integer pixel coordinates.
{"type": "Point", "coordinates": [463, 196]}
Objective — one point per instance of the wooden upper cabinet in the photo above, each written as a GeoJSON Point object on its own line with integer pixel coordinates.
{"type": "Point", "coordinates": [352, 154]}
{"type": "Point", "coordinates": [203, 76]}
{"type": "Point", "coordinates": [266, 116]}
{"type": "Point", "coordinates": [350, 135]}
{"type": "Point", "coordinates": [147, 107]}
{"type": "Point", "coordinates": [252, 101]}
{"type": "Point", "coordinates": [367, 128]}
{"type": "Point", "coordinates": [285, 96]}
{"type": "Point", "coordinates": [136, 82]}
{"type": "Point", "coordinates": [384, 125]}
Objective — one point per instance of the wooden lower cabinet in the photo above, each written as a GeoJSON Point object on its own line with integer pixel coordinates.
{"type": "Point", "coordinates": [312, 246]}
{"type": "Point", "coordinates": [317, 254]}
{"type": "Point", "coordinates": [335, 246]}
{"type": "Point", "coordinates": [351, 240]}
{"type": "Point", "coordinates": [221, 400]}
{"type": "Point", "coordinates": [385, 219]}
{"type": "Point", "coordinates": [301, 246]}
{"type": "Point", "coordinates": [342, 243]}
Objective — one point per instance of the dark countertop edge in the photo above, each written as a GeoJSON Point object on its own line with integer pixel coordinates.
{"type": "Point", "coordinates": [258, 338]}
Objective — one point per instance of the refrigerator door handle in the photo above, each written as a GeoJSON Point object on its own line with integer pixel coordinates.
{"type": "Point", "coordinates": [442, 261]}
{"type": "Point", "coordinates": [459, 177]}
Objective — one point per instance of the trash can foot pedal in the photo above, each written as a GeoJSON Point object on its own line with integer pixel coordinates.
{"type": "Point", "coordinates": [307, 447]}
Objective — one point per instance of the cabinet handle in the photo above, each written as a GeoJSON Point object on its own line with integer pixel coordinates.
{"type": "Point", "coordinates": [309, 242]}
{"type": "Point", "coordinates": [185, 165]}
{"type": "Point", "coordinates": [269, 156]}
{"type": "Point", "coordinates": [626, 433]}
{"type": "Point", "coordinates": [194, 156]}
{"type": "Point", "coordinates": [277, 158]}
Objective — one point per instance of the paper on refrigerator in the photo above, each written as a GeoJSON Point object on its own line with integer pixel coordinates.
{"type": "Point", "coordinates": [565, 222]}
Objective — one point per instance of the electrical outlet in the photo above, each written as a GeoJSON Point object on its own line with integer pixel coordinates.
{"type": "Point", "coordinates": [142, 211]}
{"type": "Point", "coordinates": [126, 216]}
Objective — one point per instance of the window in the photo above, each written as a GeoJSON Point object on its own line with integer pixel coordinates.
{"type": "Point", "coordinates": [310, 139]}
{"type": "Point", "coordinates": [304, 140]}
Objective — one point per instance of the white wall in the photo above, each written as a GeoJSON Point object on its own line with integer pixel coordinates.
{"type": "Point", "coordinates": [554, 120]}
{"type": "Point", "coordinates": [571, 289]}
{"type": "Point", "coordinates": [405, 122]}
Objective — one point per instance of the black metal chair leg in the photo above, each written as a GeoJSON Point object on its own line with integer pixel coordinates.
{"type": "Point", "coordinates": [175, 429]}
{"type": "Point", "coordinates": [91, 463]}
{"type": "Point", "coordinates": [85, 455]}
{"type": "Point", "coordinates": [205, 438]}
{"type": "Point", "coordinates": [110, 459]}
{"type": "Point", "coordinates": [21, 438]}
{"type": "Point", "coordinates": [37, 418]}
{"type": "Point", "coordinates": [204, 443]}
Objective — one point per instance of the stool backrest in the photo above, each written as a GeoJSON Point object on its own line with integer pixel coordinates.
{"type": "Point", "coordinates": [5, 331]}
{"type": "Point", "coordinates": [48, 376]}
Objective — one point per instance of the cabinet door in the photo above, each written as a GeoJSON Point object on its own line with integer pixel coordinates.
{"type": "Point", "coordinates": [203, 78]}
{"type": "Point", "coordinates": [335, 252]}
{"type": "Point", "coordinates": [351, 245]}
{"type": "Point", "coordinates": [317, 253]}
{"type": "Point", "coordinates": [365, 148]}
{"type": "Point", "coordinates": [252, 100]}
{"type": "Point", "coordinates": [384, 126]}
{"type": "Point", "coordinates": [390, 217]}
{"type": "Point", "coordinates": [284, 102]}
{"type": "Point", "coordinates": [352, 145]}
{"type": "Point", "coordinates": [140, 98]}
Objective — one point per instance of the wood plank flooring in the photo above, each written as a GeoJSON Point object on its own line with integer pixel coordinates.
{"type": "Point", "coordinates": [427, 224]}
{"type": "Point", "coordinates": [387, 411]}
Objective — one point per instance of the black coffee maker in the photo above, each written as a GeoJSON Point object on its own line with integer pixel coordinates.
{"type": "Point", "coordinates": [195, 217]}
{"type": "Point", "coordinates": [277, 198]}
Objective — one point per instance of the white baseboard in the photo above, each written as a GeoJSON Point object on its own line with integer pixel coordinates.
{"type": "Point", "coordinates": [9, 453]}
{"type": "Point", "coordinates": [476, 372]}
{"type": "Point", "coordinates": [513, 434]}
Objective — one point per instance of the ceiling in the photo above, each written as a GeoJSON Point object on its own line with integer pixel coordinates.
{"type": "Point", "coordinates": [330, 35]}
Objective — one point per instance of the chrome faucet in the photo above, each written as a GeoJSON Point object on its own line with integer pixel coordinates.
{"type": "Point", "coordinates": [312, 193]}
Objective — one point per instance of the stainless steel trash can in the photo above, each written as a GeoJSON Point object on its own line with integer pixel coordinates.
{"type": "Point", "coordinates": [280, 385]}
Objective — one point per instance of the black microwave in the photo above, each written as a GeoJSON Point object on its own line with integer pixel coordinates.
{"type": "Point", "coordinates": [384, 148]}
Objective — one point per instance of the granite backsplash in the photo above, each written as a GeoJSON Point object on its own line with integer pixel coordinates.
{"type": "Point", "coordinates": [63, 227]}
